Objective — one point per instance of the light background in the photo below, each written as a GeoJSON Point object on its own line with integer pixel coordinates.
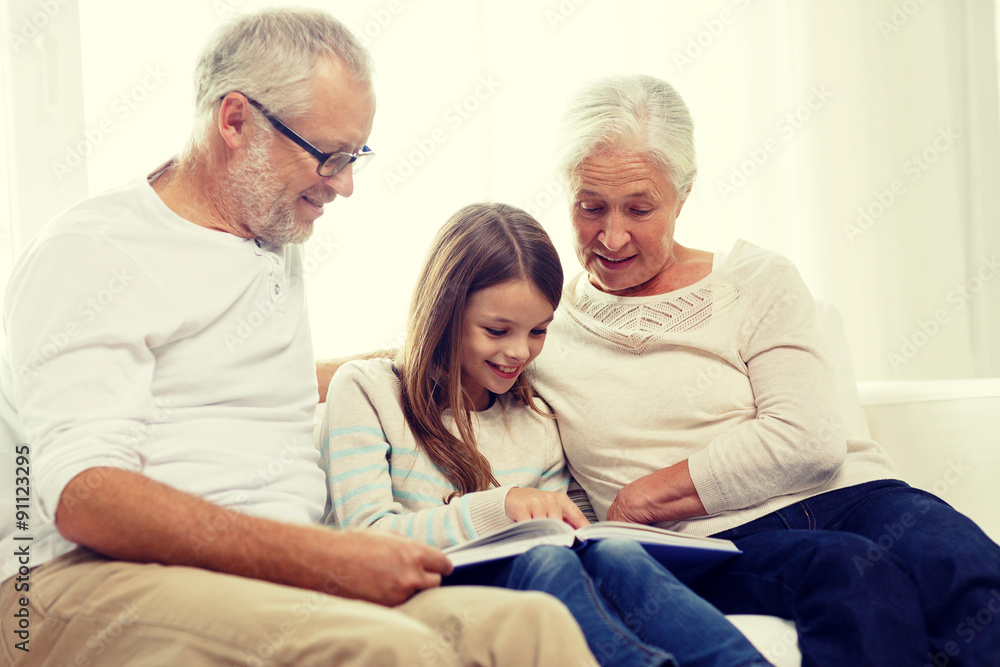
{"type": "Point", "coordinates": [806, 113]}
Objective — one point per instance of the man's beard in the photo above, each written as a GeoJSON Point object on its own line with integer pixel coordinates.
{"type": "Point", "coordinates": [252, 194]}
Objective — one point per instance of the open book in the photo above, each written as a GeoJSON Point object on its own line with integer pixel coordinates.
{"type": "Point", "coordinates": [675, 550]}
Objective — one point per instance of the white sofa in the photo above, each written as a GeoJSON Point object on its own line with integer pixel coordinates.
{"type": "Point", "coordinates": [944, 436]}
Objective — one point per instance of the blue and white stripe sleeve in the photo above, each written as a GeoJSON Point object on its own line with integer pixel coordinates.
{"type": "Point", "coordinates": [354, 454]}
{"type": "Point", "coordinates": [380, 479]}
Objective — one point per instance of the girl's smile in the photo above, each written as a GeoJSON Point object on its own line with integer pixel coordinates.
{"type": "Point", "coordinates": [506, 372]}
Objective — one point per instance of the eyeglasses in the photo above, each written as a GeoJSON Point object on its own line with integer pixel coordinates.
{"type": "Point", "coordinates": [329, 163]}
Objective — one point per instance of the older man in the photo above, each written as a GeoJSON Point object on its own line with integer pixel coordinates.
{"type": "Point", "coordinates": [157, 393]}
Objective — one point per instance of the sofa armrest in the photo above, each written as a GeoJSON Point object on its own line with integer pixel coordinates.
{"type": "Point", "coordinates": [944, 436]}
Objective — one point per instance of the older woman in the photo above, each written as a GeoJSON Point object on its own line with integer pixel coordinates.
{"type": "Point", "coordinates": [694, 391]}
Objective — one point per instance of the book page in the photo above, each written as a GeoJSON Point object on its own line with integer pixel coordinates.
{"type": "Point", "coordinates": [523, 530]}
{"type": "Point", "coordinates": [651, 535]}
{"type": "Point", "coordinates": [670, 548]}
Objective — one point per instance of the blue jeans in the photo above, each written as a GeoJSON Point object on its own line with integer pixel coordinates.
{"type": "Point", "coordinates": [874, 574]}
{"type": "Point", "coordinates": [632, 610]}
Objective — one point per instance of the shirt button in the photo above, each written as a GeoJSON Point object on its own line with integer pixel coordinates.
{"type": "Point", "coordinates": [276, 288]}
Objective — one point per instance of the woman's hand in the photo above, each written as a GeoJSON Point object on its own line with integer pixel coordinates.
{"type": "Point", "coordinates": [526, 503]}
{"type": "Point", "coordinates": [665, 495]}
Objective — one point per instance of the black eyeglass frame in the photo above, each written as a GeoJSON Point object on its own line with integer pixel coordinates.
{"type": "Point", "coordinates": [323, 158]}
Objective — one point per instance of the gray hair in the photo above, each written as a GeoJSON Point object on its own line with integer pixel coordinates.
{"type": "Point", "coordinates": [634, 113]}
{"type": "Point", "coordinates": [271, 56]}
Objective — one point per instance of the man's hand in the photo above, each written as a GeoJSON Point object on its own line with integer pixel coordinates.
{"type": "Point", "coordinates": [380, 566]}
{"type": "Point", "coordinates": [127, 516]}
{"type": "Point", "coordinates": [527, 503]}
{"type": "Point", "coordinates": [665, 495]}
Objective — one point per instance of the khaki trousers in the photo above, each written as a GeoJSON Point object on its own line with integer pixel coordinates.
{"type": "Point", "coordinates": [88, 611]}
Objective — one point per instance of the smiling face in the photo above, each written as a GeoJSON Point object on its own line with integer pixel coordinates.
{"type": "Point", "coordinates": [623, 212]}
{"type": "Point", "coordinates": [505, 326]}
{"type": "Point", "coordinates": [276, 191]}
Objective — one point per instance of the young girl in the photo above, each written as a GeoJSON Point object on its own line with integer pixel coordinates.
{"type": "Point", "coordinates": [451, 443]}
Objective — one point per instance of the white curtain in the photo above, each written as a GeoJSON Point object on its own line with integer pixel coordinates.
{"type": "Point", "coordinates": [860, 138]}
{"type": "Point", "coordinates": [896, 187]}
{"type": "Point", "coordinates": [6, 229]}
{"type": "Point", "coordinates": [43, 116]}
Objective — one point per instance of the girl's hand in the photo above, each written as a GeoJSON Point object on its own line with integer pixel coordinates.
{"type": "Point", "coordinates": [526, 503]}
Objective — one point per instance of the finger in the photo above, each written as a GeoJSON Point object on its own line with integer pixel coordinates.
{"type": "Point", "coordinates": [518, 512]}
{"type": "Point", "coordinates": [429, 580]}
{"type": "Point", "coordinates": [538, 507]}
{"type": "Point", "coordinates": [515, 505]}
{"type": "Point", "coordinates": [436, 563]}
{"type": "Point", "coordinates": [574, 517]}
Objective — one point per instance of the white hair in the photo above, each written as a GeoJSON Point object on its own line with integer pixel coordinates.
{"type": "Point", "coordinates": [271, 56]}
{"type": "Point", "coordinates": [632, 113]}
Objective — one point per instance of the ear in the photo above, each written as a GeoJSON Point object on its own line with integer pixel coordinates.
{"type": "Point", "coordinates": [234, 120]}
{"type": "Point", "coordinates": [680, 204]}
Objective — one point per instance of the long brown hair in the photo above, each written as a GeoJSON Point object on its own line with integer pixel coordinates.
{"type": "Point", "coordinates": [481, 245]}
